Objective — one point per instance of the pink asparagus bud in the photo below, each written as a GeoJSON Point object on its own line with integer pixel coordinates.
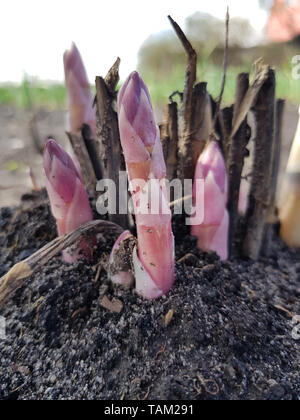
{"type": "Point", "coordinates": [80, 98]}
{"type": "Point", "coordinates": [68, 198]}
{"type": "Point", "coordinates": [154, 259]}
{"type": "Point", "coordinates": [139, 133]}
{"type": "Point", "coordinates": [212, 234]}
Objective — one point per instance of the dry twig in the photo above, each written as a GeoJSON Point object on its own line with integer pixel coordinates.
{"type": "Point", "coordinates": [15, 278]}
{"type": "Point", "coordinates": [110, 155]}
{"type": "Point", "coordinates": [236, 154]}
{"type": "Point", "coordinates": [195, 122]}
{"type": "Point", "coordinates": [88, 174]}
{"type": "Point", "coordinates": [225, 63]}
{"type": "Point", "coordinates": [92, 149]}
{"type": "Point", "coordinates": [170, 140]}
{"type": "Point", "coordinates": [272, 216]}
{"type": "Point", "coordinates": [260, 194]}
{"type": "Point", "coordinates": [260, 76]}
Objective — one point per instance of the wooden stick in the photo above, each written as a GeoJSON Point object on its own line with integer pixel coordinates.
{"type": "Point", "coordinates": [185, 153]}
{"type": "Point", "coordinates": [110, 155]}
{"type": "Point", "coordinates": [201, 123]}
{"type": "Point", "coordinates": [260, 76]}
{"type": "Point", "coordinates": [260, 194]}
{"type": "Point", "coordinates": [225, 63]}
{"type": "Point", "coordinates": [92, 149]}
{"type": "Point", "coordinates": [272, 216]}
{"type": "Point", "coordinates": [225, 127]}
{"type": "Point", "coordinates": [16, 277]}
{"type": "Point", "coordinates": [87, 170]}
{"type": "Point", "coordinates": [237, 153]}
{"type": "Point", "coordinates": [190, 74]}
{"type": "Point", "coordinates": [279, 111]}
{"type": "Point", "coordinates": [170, 140]}
{"type": "Point", "coordinates": [112, 78]}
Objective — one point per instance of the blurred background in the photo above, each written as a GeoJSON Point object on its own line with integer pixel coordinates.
{"type": "Point", "coordinates": [34, 35]}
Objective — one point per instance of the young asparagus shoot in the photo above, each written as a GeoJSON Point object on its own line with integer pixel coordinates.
{"type": "Point", "coordinates": [212, 234]}
{"type": "Point", "coordinates": [80, 98]}
{"type": "Point", "coordinates": [68, 198]}
{"type": "Point", "coordinates": [153, 259]}
{"type": "Point", "coordinates": [289, 212]}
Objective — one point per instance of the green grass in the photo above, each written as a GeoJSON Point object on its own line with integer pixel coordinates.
{"type": "Point", "coordinates": [51, 96]}
{"type": "Point", "coordinates": [35, 94]}
{"type": "Point", "coordinates": [286, 86]}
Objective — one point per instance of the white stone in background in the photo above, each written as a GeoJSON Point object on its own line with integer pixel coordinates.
{"type": "Point", "coordinates": [16, 143]}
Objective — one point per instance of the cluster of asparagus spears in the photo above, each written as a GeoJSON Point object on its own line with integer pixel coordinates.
{"type": "Point", "coordinates": [153, 258]}
{"type": "Point", "coordinates": [152, 262]}
{"type": "Point", "coordinates": [198, 141]}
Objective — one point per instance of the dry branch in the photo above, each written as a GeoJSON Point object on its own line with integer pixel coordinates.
{"type": "Point", "coordinates": [92, 149]}
{"type": "Point", "coordinates": [190, 75]}
{"type": "Point", "coordinates": [87, 170]}
{"type": "Point", "coordinates": [225, 63]}
{"type": "Point", "coordinates": [272, 216]}
{"type": "Point", "coordinates": [169, 137]}
{"type": "Point", "coordinates": [237, 153]}
{"type": "Point", "coordinates": [260, 194]}
{"type": "Point", "coordinates": [15, 278]}
{"type": "Point", "coordinates": [111, 158]}
{"type": "Point", "coordinates": [112, 78]}
{"type": "Point", "coordinates": [196, 117]}
{"type": "Point", "coordinates": [225, 127]}
{"type": "Point", "coordinates": [201, 121]}
{"type": "Point", "coordinates": [234, 133]}
{"type": "Point", "coordinates": [260, 76]}
{"type": "Point", "coordinates": [185, 145]}
{"type": "Point", "coordinates": [279, 111]}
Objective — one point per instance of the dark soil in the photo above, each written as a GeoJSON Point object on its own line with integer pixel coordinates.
{"type": "Point", "coordinates": [230, 336]}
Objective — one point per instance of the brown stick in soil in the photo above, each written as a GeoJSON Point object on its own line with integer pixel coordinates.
{"type": "Point", "coordinates": [279, 111]}
{"type": "Point", "coordinates": [201, 122]}
{"type": "Point", "coordinates": [112, 78]}
{"type": "Point", "coordinates": [111, 158]}
{"type": "Point", "coordinates": [16, 277]}
{"type": "Point", "coordinates": [260, 76]}
{"type": "Point", "coordinates": [237, 153]}
{"type": "Point", "coordinates": [190, 75]}
{"type": "Point", "coordinates": [185, 142]}
{"type": "Point", "coordinates": [260, 193]}
{"type": "Point", "coordinates": [224, 127]}
{"type": "Point", "coordinates": [92, 148]}
{"type": "Point", "coordinates": [225, 63]}
{"type": "Point", "coordinates": [87, 170]}
{"type": "Point", "coordinates": [272, 217]}
{"type": "Point", "coordinates": [169, 138]}
{"type": "Point", "coordinates": [195, 117]}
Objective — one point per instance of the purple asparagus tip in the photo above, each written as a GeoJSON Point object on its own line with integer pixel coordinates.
{"type": "Point", "coordinates": [134, 99]}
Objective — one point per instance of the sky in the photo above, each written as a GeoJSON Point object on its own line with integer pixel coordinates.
{"type": "Point", "coordinates": [35, 33]}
